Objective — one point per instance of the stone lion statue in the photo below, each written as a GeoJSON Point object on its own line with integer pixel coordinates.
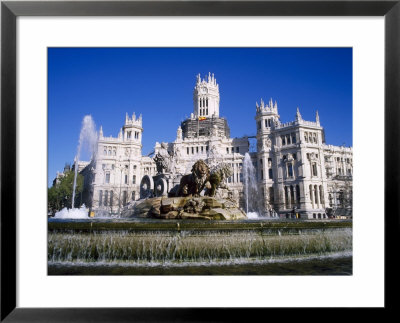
{"type": "Point", "coordinates": [217, 178]}
{"type": "Point", "coordinates": [193, 184]}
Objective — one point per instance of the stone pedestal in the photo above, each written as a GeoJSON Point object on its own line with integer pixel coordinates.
{"type": "Point", "coordinates": [207, 208]}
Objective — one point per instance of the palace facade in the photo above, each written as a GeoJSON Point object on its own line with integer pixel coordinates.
{"type": "Point", "coordinates": [297, 173]}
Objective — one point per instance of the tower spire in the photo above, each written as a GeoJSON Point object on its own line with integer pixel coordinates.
{"type": "Point", "coordinates": [298, 115]}
{"type": "Point", "coordinates": [317, 118]}
{"type": "Point", "coordinates": [101, 132]}
{"type": "Point", "coordinates": [206, 97]}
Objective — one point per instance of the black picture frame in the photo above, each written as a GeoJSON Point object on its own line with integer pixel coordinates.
{"type": "Point", "coordinates": [10, 10]}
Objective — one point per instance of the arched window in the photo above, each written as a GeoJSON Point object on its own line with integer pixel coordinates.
{"type": "Point", "coordinates": [100, 197]}
{"type": "Point", "coordinates": [314, 169]}
{"type": "Point", "coordinates": [124, 196]}
{"type": "Point", "coordinates": [311, 196]}
{"type": "Point", "coordinates": [321, 194]}
{"type": "Point", "coordinates": [207, 102]}
{"type": "Point", "coordinates": [316, 195]}
{"type": "Point", "coordinates": [291, 195]}
{"type": "Point", "coordinates": [290, 170]}
{"type": "Point", "coordinates": [298, 195]}
{"type": "Point", "coordinates": [105, 198]}
{"type": "Point", "coordinates": [286, 197]}
{"type": "Point", "coordinates": [271, 195]}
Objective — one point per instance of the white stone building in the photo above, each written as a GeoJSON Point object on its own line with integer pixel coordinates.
{"type": "Point", "coordinates": [294, 164]}
{"type": "Point", "coordinates": [119, 167]}
{"type": "Point", "coordinates": [205, 135]}
{"type": "Point", "coordinates": [297, 173]}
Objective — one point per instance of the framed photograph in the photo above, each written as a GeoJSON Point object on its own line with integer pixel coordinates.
{"type": "Point", "coordinates": [193, 155]}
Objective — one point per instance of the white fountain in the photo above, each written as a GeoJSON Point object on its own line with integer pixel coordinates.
{"type": "Point", "coordinates": [87, 141]}
{"type": "Point", "coordinates": [74, 213]}
{"type": "Point", "coordinates": [250, 188]}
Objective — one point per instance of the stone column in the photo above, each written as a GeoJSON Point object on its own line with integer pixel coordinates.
{"type": "Point", "coordinates": [289, 197]}
{"type": "Point", "coordinates": [294, 196]}
{"type": "Point", "coordinates": [282, 198]}
{"type": "Point", "coordinates": [312, 196]}
{"type": "Point", "coordinates": [303, 200]}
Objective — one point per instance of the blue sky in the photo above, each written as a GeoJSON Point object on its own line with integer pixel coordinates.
{"type": "Point", "coordinates": [158, 83]}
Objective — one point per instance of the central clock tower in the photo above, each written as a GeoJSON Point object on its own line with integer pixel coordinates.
{"type": "Point", "coordinates": [206, 97]}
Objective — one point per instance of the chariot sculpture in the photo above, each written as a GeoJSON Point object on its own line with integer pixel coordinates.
{"type": "Point", "coordinates": [201, 179]}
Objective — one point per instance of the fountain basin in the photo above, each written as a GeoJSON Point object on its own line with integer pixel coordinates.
{"type": "Point", "coordinates": [193, 242]}
{"type": "Point", "coordinates": [290, 226]}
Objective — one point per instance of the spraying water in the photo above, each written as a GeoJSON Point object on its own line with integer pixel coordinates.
{"type": "Point", "coordinates": [81, 213]}
{"type": "Point", "coordinates": [87, 140]}
{"type": "Point", "coordinates": [250, 188]}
